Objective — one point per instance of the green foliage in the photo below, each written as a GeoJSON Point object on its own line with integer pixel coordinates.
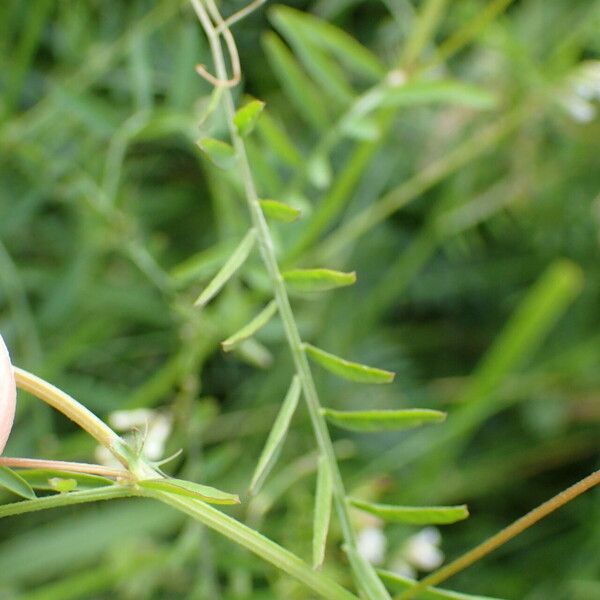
{"type": "Point", "coordinates": [438, 149]}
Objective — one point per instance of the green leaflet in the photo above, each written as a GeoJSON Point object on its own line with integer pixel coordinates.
{"type": "Point", "coordinates": [398, 583]}
{"type": "Point", "coordinates": [317, 280]}
{"type": "Point", "coordinates": [235, 261]}
{"type": "Point", "coordinates": [40, 479]}
{"type": "Point", "coordinates": [383, 420]}
{"type": "Point", "coordinates": [220, 153]}
{"type": "Point", "coordinates": [259, 321]}
{"type": "Point", "coordinates": [322, 516]}
{"type": "Point", "coordinates": [299, 89]}
{"type": "Point", "coordinates": [415, 515]}
{"type": "Point", "coordinates": [15, 483]}
{"type": "Point", "coordinates": [190, 489]}
{"type": "Point", "coordinates": [278, 211]}
{"type": "Point", "coordinates": [365, 576]}
{"type": "Point", "coordinates": [246, 117]}
{"type": "Point", "coordinates": [276, 438]}
{"type": "Point", "coordinates": [347, 369]}
{"type": "Point", "coordinates": [354, 55]}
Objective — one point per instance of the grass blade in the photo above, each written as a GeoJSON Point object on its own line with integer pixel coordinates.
{"type": "Point", "coordinates": [276, 438]}
{"type": "Point", "coordinates": [415, 515]}
{"type": "Point", "coordinates": [299, 88]}
{"type": "Point", "coordinates": [191, 490]}
{"type": "Point", "coordinates": [383, 420]}
{"type": "Point", "coordinates": [14, 483]}
{"type": "Point", "coordinates": [354, 55]}
{"type": "Point", "coordinates": [347, 369]}
{"type": "Point", "coordinates": [259, 321]}
{"type": "Point", "coordinates": [317, 280]}
{"type": "Point", "coordinates": [323, 500]}
{"type": "Point", "coordinates": [235, 261]}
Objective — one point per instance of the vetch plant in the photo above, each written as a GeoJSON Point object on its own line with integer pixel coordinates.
{"type": "Point", "coordinates": [72, 483]}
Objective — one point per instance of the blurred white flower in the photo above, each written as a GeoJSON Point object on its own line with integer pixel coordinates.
{"type": "Point", "coordinates": [153, 426]}
{"type": "Point", "coordinates": [422, 549]}
{"type": "Point", "coordinates": [372, 544]}
{"type": "Point", "coordinates": [582, 88]}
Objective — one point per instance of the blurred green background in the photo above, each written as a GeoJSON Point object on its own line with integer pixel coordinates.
{"type": "Point", "coordinates": [480, 287]}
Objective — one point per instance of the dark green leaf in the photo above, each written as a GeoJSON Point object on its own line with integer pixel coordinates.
{"type": "Point", "coordinates": [14, 483]}
{"type": "Point", "coordinates": [190, 489]}
{"type": "Point", "coordinates": [415, 515]}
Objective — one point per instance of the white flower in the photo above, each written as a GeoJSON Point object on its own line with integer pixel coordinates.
{"type": "Point", "coordinates": [422, 549]}
{"type": "Point", "coordinates": [8, 395]}
{"type": "Point", "coordinates": [371, 544]}
{"type": "Point", "coordinates": [582, 88]}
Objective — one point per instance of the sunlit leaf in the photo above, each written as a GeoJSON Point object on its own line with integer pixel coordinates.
{"type": "Point", "coordinates": [246, 117]}
{"type": "Point", "coordinates": [190, 489]}
{"type": "Point", "coordinates": [259, 321]}
{"type": "Point", "coordinates": [277, 436]}
{"type": "Point", "coordinates": [235, 261]}
{"type": "Point", "coordinates": [322, 516]}
{"type": "Point", "coordinates": [278, 211]}
{"type": "Point", "coordinates": [415, 515]}
{"type": "Point", "coordinates": [14, 483]}
{"type": "Point", "coordinates": [220, 153]}
{"type": "Point", "coordinates": [347, 369]}
{"type": "Point", "coordinates": [366, 578]}
{"type": "Point", "coordinates": [317, 280]}
{"type": "Point", "coordinates": [383, 420]}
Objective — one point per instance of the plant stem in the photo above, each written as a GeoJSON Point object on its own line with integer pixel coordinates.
{"type": "Point", "coordinates": [505, 535]}
{"type": "Point", "coordinates": [255, 542]}
{"type": "Point", "coordinates": [267, 252]}
{"type": "Point", "coordinates": [60, 465]}
{"type": "Point", "coordinates": [58, 500]}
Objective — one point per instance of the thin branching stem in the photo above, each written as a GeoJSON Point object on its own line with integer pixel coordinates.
{"type": "Point", "coordinates": [267, 252]}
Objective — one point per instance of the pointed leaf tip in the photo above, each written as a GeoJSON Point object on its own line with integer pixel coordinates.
{"type": "Point", "coordinates": [276, 438]}
{"type": "Point", "coordinates": [234, 262]}
{"type": "Point", "coordinates": [347, 369]}
{"type": "Point", "coordinates": [383, 420]}
{"type": "Point", "coordinates": [317, 280]}
{"type": "Point", "coordinates": [257, 323]}
{"type": "Point", "coordinates": [220, 153]}
{"type": "Point", "coordinates": [278, 211]}
{"type": "Point", "coordinates": [190, 489]}
{"type": "Point", "coordinates": [246, 117]}
{"type": "Point", "coordinates": [414, 515]}
{"type": "Point", "coordinates": [15, 483]}
{"type": "Point", "coordinates": [322, 515]}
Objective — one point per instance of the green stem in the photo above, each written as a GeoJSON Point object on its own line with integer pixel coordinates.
{"type": "Point", "coordinates": [58, 500]}
{"type": "Point", "coordinates": [267, 252]}
{"type": "Point", "coordinates": [255, 542]}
